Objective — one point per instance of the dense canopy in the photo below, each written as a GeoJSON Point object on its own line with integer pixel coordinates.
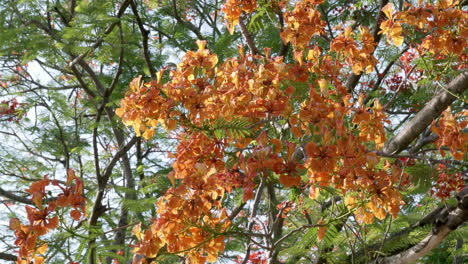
{"type": "Point", "coordinates": [253, 131]}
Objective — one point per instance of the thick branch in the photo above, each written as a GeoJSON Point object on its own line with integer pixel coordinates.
{"type": "Point", "coordinates": [426, 220]}
{"type": "Point", "coordinates": [423, 141]}
{"type": "Point", "coordinates": [447, 221]}
{"type": "Point", "coordinates": [7, 256]}
{"type": "Point", "coordinates": [277, 220]}
{"type": "Point", "coordinates": [253, 214]}
{"type": "Point", "coordinates": [429, 113]}
{"type": "Point", "coordinates": [145, 38]}
{"type": "Point", "coordinates": [98, 208]}
{"type": "Point", "coordinates": [284, 46]}
{"type": "Point", "coordinates": [236, 210]}
{"type": "Point", "coordinates": [187, 24]}
{"type": "Point", "coordinates": [248, 38]}
{"type": "Point", "coordinates": [121, 153]}
{"type": "Point", "coordinates": [15, 197]}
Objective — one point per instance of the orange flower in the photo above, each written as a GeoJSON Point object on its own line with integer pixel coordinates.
{"type": "Point", "coordinates": [450, 132]}
{"type": "Point", "coordinates": [37, 189]}
{"type": "Point", "coordinates": [302, 23]}
{"type": "Point", "coordinates": [321, 158]}
{"type": "Point", "coordinates": [233, 9]}
{"type": "Point", "coordinates": [391, 27]}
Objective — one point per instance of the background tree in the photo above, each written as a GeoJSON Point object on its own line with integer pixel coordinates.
{"type": "Point", "coordinates": [266, 131]}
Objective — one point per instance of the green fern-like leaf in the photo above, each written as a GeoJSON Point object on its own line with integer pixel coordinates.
{"type": "Point", "coordinates": [301, 246]}
{"type": "Point", "coordinates": [139, 205]}
{"type": "Point", "coordinates": [407, 241]}
{"type": "Point", "coordinates": [421, 175]}
{"type": "Point", "coordinates": [237, 128]}
{"type": "Point", "coordinates": [460, 233]}
{"type": "Point", "coordinates": [330, 236]}
{"type": "Point", "coordinates": [256, 23]}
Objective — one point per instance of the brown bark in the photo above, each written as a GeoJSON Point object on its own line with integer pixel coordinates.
{"type": "Point", "coordinates": [429, 113]}
{"type": "Point", "coordinates": [448, 220]}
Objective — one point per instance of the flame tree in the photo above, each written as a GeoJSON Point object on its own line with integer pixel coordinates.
{"type": "Point", "coordinates": [234, 131]}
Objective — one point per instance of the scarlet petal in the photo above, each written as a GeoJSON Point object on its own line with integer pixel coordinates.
{"type": "Point", "coordinates": [31, 242]}
{"type": "Point", "coordinates": [62, 201]}
{"type": "Point", "coordinates": [321, 232]}
{"type": "Point", "coordinates": [310, 149]}
{"type": "Point", "coordinates": [38, 260]}
{"type": "Point", "coordinates": [70, 176]}
{"type": "Point", "coordinates": [15, 224]}
{"type": "Point", "coordinates": [314, 192]}
{"type": "Point", "coordinates": [53, 223]}
{"type": "Point", "coordinates": [289, 180]}
{"type": "Point", "coordinates": [75, 214]}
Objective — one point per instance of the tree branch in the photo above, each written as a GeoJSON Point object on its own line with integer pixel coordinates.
{"type": "Point", "coordinates": [253, 214]}
{"type": "Point", "coordinates": [426, 220]}
{"type": "Point", "coordinates": [111, 27]}
{"type": "Point", "coordinates": [430, 112]}
{"type": "Point", "coordinates": [248, 38]}
{"type": "Point", "coordinates": [381, 77]}
{"type": "Point", "coordinates": [187, 24]}
{"type": "Point", "coordinates": [447, 221]}
{"type": "Point", "coordinates": [423, 141]}
{"type": "Point", "coordinates": [200, 8]}
{"type": "Point", "coordinates": [7, 256]}
{"type": "Point", "coordinates": [30, 150]}
{"type": "Point", "coordinates": [123, 151]}
{"type": "Point", "coordinates": [14, 197]}
{"type": "Point", "coordinates": [145, 38]}
{"type": "Point", "coordinates": [236, 210]}
{"type": "Point", "coordinates": [284, 46]}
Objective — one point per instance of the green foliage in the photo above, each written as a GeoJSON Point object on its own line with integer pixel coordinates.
{"type": "Point", "coordinates": [139, 206]}
{"type": "Point", "coordinates": [70, 122]}
{"type": "Point", "coordinates": [236, 128]}
{"type": "Point", "coordinates": [404, 242]}
{"type": "Point", "coordinates": [300, 247]}
{"type": "Point", "coordinates": [421, 177]}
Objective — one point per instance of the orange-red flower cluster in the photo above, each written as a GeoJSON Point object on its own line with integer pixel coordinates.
{"type": "Point", "coordinates": [360, 59]}
{"type": "Point", "coordinates": [333, 135]}
{"type": "Point", "coordinates": [199, 93]}
{"type": "Point", "coordinates": [191, 219]}
{"type": "Point", "coordinates": [444, 25]}
{"type": "Point", "coordinates": [40, 217]}
{"type": "Point", "coordinates": [233, 9]}
{"type": "Point", "coordinates": [337, 156]}
{"type": "Point", "coordinates": [451, 134]}
{"type": "Point", "coordinates": [304, 22]}
{"type": "Point", "coordinates": [447, 183]}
